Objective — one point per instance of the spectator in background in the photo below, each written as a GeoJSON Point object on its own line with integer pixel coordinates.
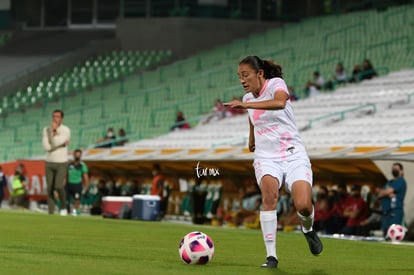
{"type": "Point", "coordinates": [250, 205]}
{"type": "Point", "coordinates": [339, 77]}
{"type": "Point", "coordinates": [368, 70]}
{"type": "Point", "coordinates": [102, 189]}
{"type": "Point", "coordinates": [157, 188]}
{"type": "Point", "coordinates": [108, 140]}
{"type": "Point", "coordinates": [18, 191]}
{"type": "Point", "coordinates": [292, 94]}
{"type": "Point", "coordinates": [289, 220]}
{"type": "Point", "coordinates": [373, 222]}
{"type": "Point", "coordinates": [114, 188]}
{"type": "Point", "coordinates": [316, 85]}
{"type": "Point", "coordinates": [356, 74]}
{"type": "Point", "coordinates": [322, 209]}
{"type": "Point", "coordinates": [392, 197]}
{"type": "Point", "coordinates": [3, 184]}
{"type": "Point", "coordinates": [77, 181]}
{"type": "Point", "coordinates": [135, 188]}
{"type": "Point", "coordinates": [180, 122]}
{"type": "Point", "coordinates": [337, 220]}
{"type": "Point", "coordinates": [356, 211]}
{"type": "Point", "coordinates": [96, 208]}
{"type": "Point", "coordinates": [122, 137]}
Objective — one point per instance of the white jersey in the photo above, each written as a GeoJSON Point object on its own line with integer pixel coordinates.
{"type": "Point", "coordinates": [275, 132]}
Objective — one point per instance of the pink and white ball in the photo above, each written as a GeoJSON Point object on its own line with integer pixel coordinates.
{"type": "Point", "coordinates": [396, 232]}
{"type": "Point", "coordinates": [196, 248]}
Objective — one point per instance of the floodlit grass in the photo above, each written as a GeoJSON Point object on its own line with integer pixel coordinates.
{"type": "Point", "coordinates": [41, 244]}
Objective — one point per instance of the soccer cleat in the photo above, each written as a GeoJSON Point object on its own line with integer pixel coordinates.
{"type": "Point", "coordinates": [63, 212]}
{"type": "Point", "coordinates": [271, 262]}
{"type": "Point", "coordinates": [315, 244]}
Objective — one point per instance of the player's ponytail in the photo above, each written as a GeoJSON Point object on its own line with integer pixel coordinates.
{"type": "Point", "coordinates": [269, 68]}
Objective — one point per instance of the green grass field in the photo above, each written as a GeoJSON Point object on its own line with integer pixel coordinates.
{"type": "Point", "coordinates": [41, 244]}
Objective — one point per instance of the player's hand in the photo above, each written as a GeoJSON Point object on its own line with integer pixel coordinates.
{"type": "Point", "coordinates": [54, 125]}
{"type": "Point", "coordinates": [235, 104]}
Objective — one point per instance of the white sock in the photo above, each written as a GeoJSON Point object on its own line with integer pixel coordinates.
{"type": "Point", "coordinates": [268, 222]}
{"type": "Point", "coordinates": [307, 222]}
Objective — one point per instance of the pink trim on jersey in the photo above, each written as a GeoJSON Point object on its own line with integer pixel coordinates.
{"type": "Point", "coordinates": [264, 87]}
{"type": "Point", "coordinates": [284, 144]}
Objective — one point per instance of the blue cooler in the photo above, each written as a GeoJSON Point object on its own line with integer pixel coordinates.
{"type": "Point", "coordinates": [145, 207]}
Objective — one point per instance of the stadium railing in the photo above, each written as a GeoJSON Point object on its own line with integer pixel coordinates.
{"type": "Point", "coordinates": [100, 130]}
{"type": "Point", "coordinates": [113, 142]}
{"type": "Point", "coordinates": [341, 114]}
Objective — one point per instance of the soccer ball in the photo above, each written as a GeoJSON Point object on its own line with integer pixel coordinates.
{"type": "Point", "coordinates": [396, 232]}
{"type": "Point", "coordinates": [196, 248]}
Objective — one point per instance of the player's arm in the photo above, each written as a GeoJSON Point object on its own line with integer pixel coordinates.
{"type": "Point", "coordinates": [252, 145]}
{"type": "Point", "coordinates": [277, 103]}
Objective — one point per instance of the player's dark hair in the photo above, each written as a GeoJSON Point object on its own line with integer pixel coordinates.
{"type": "Point", "coordinates": [399, 165]}
{"type": "Point", "coordinates": [58, 111]}
{"type": "Point", "coordinates": [77, 151]}
{"type": "Point", "coordinates": [269, 68]}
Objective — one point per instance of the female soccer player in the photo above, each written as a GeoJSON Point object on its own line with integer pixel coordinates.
{"type": "Point", "coordinates": [280, 156]}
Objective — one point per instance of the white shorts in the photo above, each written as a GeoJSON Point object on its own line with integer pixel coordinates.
{"type": "Point", "coordinates": [286, 172]}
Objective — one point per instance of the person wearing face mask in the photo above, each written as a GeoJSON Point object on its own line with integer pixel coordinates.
{"type": "Point", "coordinates": [336, 219]}
{"type": "Point", "coordinates": [280, 157]}
{"type": "Point", "coordinates": [77, 181]}
{"type": "Point", "coordinates": [392, 196]}
{"type": "Point", "coordinates": [356, 211]}
{"type": "Point", "coordinates": [108, 140]}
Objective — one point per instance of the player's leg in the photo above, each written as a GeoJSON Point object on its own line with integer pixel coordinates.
{"type": "Point", "coordinates": [302, 198]}
{"type": "Point", "coordinates": [269, 187]}
{"type": "Point", "coordinates": [268, 176]}
{"type": "Point", "coordinates": [299, 183]}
